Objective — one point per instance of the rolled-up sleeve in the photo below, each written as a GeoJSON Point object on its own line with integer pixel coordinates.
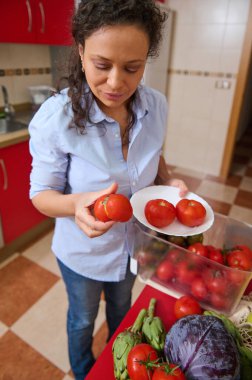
{"type": "Point", "coordinates": [49, 161]}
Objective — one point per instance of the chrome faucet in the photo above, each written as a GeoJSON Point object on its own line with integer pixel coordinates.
{"type": "Point", "coordinates": [8, 108]}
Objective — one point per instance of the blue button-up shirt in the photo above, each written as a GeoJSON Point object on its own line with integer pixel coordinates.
{"type": "Point", "coordinates": [70, 162]}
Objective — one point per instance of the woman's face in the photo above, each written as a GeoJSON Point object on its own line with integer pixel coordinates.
{"type": "Point", "coordinates": [114, 59]}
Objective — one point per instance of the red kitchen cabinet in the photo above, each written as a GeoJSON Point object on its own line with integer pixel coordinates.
{"type": "Point", "coordinates": [36, 21]}
{"type": "Point", "coordinates": [17, 213]}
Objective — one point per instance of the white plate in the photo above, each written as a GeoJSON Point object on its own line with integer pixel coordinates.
{"type": "Point", "coordinates": [171, 194]}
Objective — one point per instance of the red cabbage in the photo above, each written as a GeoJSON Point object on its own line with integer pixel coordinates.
{"type": "Point", "coordinates": [203, 349]}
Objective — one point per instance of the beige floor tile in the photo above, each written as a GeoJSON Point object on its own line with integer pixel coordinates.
{"type": "Point", "coordinates": [3, 328]}
{"type": "Point", "coordinates": [43, 326]}
{"type": "Point", "coordinates": [188, 172]}
{"type": "Point", "coordinates": [22, 284]}
{"type": "Point", "coordinates": [41, 254]}
{"type": "Point", "coordinates": [217, 191]}
{"type": "Point", "coordinates": [100, 319]}
{"type": "Point", "coordinates": [42, 245]}
{"type": "Point", "coordinates": [246, 184]}
{"type": "Point", "coordinates": [241, 213]}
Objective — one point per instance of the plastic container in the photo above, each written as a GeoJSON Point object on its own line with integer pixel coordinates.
{"type": "Point", "coordinates": [39, 94]}
{"type": "Point", "coordinates": [177, 271]}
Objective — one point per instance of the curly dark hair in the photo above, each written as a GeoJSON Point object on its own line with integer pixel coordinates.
{"type": "Point", "coordinates": [92, 15]}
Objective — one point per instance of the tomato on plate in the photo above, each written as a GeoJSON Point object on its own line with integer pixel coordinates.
{"type": "Point", "coordinates": [186, 305]}
{"type": "Point", "coordinates": [190, 212]}
{"type": "Point", "coordinates": [159, 212]}
{"type": "Point", "coordinates": [137, 357]}
{"type": "Point", "coordinates": [165, 270]}
{"type": "Point", "coordinates": [239, 260]}
{"type": "Point", "coordinates": [115, 207]}
{"type": "Point", "coordinates": [199, 249]}
{"type": "Point", "coordinates": [168, 372]}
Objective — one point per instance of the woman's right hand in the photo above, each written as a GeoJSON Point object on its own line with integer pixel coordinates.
{"type": "Point", "coordinates": [83, 215]}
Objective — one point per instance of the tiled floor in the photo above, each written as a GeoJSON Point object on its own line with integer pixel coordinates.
{"type": "Point", "coordinates": [33, 302]}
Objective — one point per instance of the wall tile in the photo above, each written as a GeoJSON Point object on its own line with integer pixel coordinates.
{"type": "Point", "coordinates": [207, 35]}
{"type": "Point", "coordinates": [5, 56]}
{"type": "Point", "coordinates": [204, 59]}
{"type": "Point", "coordinates": [29, 55]}
{"type": "Point", "coordinates": [230, 60]}
{"type": "Point", "coordinates": [176, 86]}
{"type": "Point", "coordinates": [233, 37]}
{"type": "Point", "coordinates": [20, 84]}
{"type": "Point", "coordinates": [238, 11]}
{"type": "Point", "coordinates": [207, 44]}
{"type": "Point", "coordinates": [215, 145]}
{"type": "Point", "coordinates": [198, 97]}
{"type": "Point", "coordinates": [222, 103]}
{"type": "Point", "coordinates": [214, 11]}
{"type": "Point", "coordinates": [23, 56]}
{"type": "Point", "coordinates": [8, 83]}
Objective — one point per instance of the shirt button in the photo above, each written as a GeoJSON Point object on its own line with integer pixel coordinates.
{"type": "Point", "coordinates": [116, 135]}
{"type": "Point", "coordinates": [134, 183]}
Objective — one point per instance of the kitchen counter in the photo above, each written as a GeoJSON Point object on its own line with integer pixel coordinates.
{"type": "Point", "coordinates": [164, 309]}
{"type": "Point", "coordinates": [16, 137]}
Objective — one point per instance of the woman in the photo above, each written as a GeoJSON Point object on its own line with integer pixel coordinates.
{"type": "Point", "coordinates": [101, 135]}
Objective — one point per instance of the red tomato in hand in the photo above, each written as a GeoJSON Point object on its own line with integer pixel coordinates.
{"type": "Point", "coordinates": [168, 371]}
{"type": "Point", "coordinates": [191, 213]}
{"type": "Point", "coordinates": [139, 354]}
{"type": "Point", "coordinates": [165, 270]}
{"type": "Point", "coordinates": [239, 260]}
{"type": "Point", "coordinates": [199, 249]}
{"type": "Point", "coordinates": [99, 208]}
{"type": "Point", "coordinates": [159, 212]}
{"type": "Point", "coordinates": [114, 207]}
{"type": "Point", "coordinates": [186, 305]}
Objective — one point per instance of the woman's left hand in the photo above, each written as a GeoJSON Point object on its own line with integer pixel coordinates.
{"type": "Point", "coordinates": [183, 189]}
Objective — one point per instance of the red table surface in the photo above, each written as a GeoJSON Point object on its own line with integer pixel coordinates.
{"type": "Point", "coordinates": [164, 309]}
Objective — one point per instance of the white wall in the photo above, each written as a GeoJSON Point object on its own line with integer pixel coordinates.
{"type": "Point", "coordinates": [206, 50]}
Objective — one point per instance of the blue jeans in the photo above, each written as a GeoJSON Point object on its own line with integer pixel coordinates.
{"type": "Point", "coordinates": [84, 298]}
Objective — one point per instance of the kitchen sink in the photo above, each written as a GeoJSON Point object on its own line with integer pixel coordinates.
{"type": "Point", "coordinates": [11, 125]}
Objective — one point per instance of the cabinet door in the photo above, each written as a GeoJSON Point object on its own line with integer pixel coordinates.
{"type": "Point", "coordinates": [17, 21]}
{"type": "Point", "coordinates": [53, 21]}
{"type": "Point", "coordinates": [36, 21]}
{"type": "Point", "coordinates": [17, 212]}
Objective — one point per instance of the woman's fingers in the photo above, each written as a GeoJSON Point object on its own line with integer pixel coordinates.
{"type": "Point", "coordinates": [96, 194]}
{"type": "Point", "coordinates": [183, 189]}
